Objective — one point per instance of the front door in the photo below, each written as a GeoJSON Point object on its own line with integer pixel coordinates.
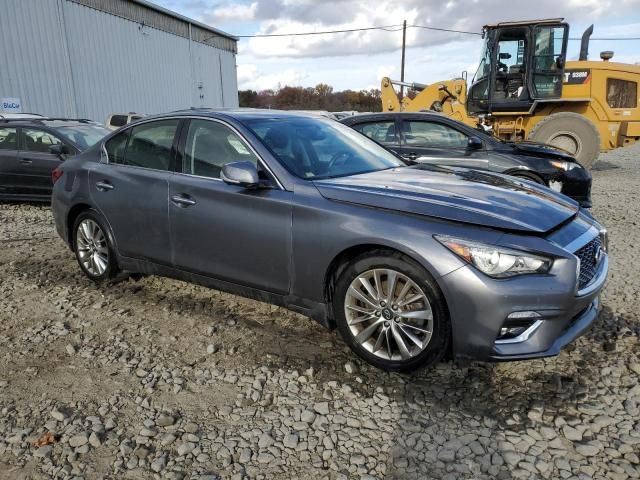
{"type": "Point", "coordinates": [225, 231]}
{"type": "Point", "coordinates": [131, 190]}
{"type": "Point", "coordinates": [35, 162]}
{"type": "Point", "coordinates": [437, 143]}
{"type": "Point", "coordinates": [9, 167]}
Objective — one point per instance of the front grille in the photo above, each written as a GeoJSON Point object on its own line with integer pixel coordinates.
{"type": "Point", "coordinates": [589, 256]}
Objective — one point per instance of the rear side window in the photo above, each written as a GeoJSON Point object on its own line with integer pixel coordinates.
{"type": "Point", "coordinates": [149, 145]}
{"type": "Point", "coordinates": [381, 132]}
{"type": "Point", "coordinates": [210, 146]}
{"type": "Point", "coordinates": [8, 139]}
{"type": "Point", "coordinates": [38, 140]}
{"type": "Point", "coordinates": [118, 120]}
{"type": "Point", "coordinates": [432, 134]}
{"type": "Point", "coordinates": [116, 147]}
{"type": "Point", "coordinates": [622, 93]}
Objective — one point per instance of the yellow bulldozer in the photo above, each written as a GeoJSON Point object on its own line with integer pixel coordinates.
{"type": "Point", "coordinates": [524, 89]}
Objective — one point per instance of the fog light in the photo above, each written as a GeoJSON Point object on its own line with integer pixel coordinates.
{"type": "Point", "coordinates": [519, 326]}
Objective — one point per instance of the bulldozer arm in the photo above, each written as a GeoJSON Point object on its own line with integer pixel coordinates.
{"type": "Point", "coordinates": [448, 97]}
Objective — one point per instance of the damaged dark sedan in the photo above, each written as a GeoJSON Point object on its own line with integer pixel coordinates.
{"type": "Point", "coordinates": [432, 138]}
{"type": "Point", "coordinates": [409, 262]}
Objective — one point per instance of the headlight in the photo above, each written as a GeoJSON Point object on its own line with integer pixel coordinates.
{"type": "Point", "coordinates": [566, 166]}
{"type": "Point", "coordinates": [496, 261]}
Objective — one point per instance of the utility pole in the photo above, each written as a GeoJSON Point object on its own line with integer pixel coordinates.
{"type": "Point", "coordinates": [404, 45]}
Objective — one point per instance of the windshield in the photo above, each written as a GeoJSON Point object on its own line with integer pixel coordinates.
{"type": "Point", "coordinates": [485, 63]}
{"type": "Point", "coordinates": [314, 148]}
{"type": "Point", "coordinates": [84, 136]}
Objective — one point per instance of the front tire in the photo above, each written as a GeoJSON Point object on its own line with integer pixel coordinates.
{"type": "Point", "coordinates": [572, 132]}
{"type": "Point", "coordinates": [93, 247]}
{"type": "Point", "coordinates": [390, 312]}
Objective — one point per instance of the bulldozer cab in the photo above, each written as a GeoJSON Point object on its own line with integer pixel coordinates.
{"type": "Point", "coordinates": [521, 62]}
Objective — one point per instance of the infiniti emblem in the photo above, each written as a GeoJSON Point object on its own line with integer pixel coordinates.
{"type": "Point", "coordinates": [597, 254]}
{"type": "Point", "coordinates": [386, 313]}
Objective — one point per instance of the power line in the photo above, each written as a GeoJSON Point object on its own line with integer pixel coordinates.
{"type": "Point", "coordinates": [620, 39]}
{"type": "Point", "coordinates": [397, 28]}
{"type": "Point", "coordinates": [388, 28]}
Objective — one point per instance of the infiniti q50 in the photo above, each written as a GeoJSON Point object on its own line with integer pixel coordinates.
{"type": "Point", "coordinates": [408, 262]}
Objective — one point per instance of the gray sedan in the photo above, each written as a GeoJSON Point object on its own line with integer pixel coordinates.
{"type": "Point", "coordinates": [409, 263]}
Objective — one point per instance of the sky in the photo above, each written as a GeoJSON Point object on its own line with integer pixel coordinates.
{"type": "Point", "coordinates": [359, 60]}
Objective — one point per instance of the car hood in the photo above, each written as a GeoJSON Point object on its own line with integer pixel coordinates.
{"type": "Point", "coordinates": [533, 149]}
{"type": "Point", "coordinates": [461, 195]}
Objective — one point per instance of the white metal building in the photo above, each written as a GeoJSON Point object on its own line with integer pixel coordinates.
{"type": "Point", "coordinates": [90, 58]}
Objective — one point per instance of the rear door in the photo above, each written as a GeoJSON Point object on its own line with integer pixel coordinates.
{"type": "Point", "coordinates": [437, 143]}
{"type": "Point", "coordinates": [9, 171]}
{"type": "Point", "coordinates": [383, 131]}
{"type": "Point", "coordinates": [131, 188]}
{"type": "Point", "coordinates": [226, 231]}
{"type": "Point", "coordinates": [35, 160]}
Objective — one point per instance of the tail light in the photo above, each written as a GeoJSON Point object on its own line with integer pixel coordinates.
{"type": "Point", "coordinates": [56, 174]}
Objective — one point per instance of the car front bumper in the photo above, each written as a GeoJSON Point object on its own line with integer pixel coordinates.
{"type": "Point", "coordinates": [574, 183]}
{"type": "Point", "coordinates": [479, 307]}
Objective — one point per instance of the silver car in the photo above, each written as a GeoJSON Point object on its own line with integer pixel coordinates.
{"type": "Point", "coordinates": [409, 262]}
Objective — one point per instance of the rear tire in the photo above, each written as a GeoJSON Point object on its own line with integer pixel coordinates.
{"type": "Point", "coordinates": [399, 330]}
{"type": "Point", "coordinates": [93, 247]}
{"type": "Point", "coordinates": [572, 132]}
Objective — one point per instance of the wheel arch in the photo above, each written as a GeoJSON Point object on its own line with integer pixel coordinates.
{"type": "Point", "coordinates": [73, 214]}
{"type": "Point", "coordinates": [341, 260]}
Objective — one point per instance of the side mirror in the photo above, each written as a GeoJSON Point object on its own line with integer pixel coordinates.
{"type": "Point", "coordinates": [59, 150]}
{"type": "Point", "coordinates": [243, 174]}
{"type": "Point", "coordinates": [474, 143]}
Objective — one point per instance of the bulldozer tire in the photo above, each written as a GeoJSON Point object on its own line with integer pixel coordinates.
{"type": "Point", "coordinates": [572, 132]}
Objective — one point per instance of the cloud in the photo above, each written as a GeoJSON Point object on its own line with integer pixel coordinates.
{"type": "Point", "coordinates": [251, 77]}
{"type": "Point", "coordinates": [289, 16]}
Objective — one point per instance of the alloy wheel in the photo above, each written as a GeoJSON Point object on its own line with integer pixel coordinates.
{"type": "Point", "coordinates": [91, 245]}
{"type": "Point", "coordinates": [388, 314]}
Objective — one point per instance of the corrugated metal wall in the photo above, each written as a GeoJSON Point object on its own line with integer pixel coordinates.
{"type": "Point", "coordinates": [63, 58]}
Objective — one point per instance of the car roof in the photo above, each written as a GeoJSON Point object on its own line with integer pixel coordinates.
{"type": "Point", "coordinates": [374, 116]}
{"type": "Point", "coordinates": [47, 122]}
{"type": "Point", "coordinates": [240, 113]}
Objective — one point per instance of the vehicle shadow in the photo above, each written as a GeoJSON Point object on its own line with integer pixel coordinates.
{"type": "Point", "coordinates": [454, 421]}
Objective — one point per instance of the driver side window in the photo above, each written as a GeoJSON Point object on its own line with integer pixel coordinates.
{"type": "Point", "coordinates": [210, 146]}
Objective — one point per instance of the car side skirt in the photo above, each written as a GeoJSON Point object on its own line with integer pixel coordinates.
{"type": "Point", "coordinates": [317, 311]}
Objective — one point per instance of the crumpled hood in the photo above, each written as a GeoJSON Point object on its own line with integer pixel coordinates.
{"type": "Point", "coordinates": [534, 149]}
{"type": "Point", "coordinates": [462, 195]}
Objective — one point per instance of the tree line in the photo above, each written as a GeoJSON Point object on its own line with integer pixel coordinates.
{"type": "Point", "coordinates": [320, 97]}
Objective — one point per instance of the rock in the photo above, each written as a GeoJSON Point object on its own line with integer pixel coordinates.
{"type": "Point", "coordinates": [245, 455]}
{"type": "Point", "coordinates": [43, 452]}
{"type": "Point", "coordinates": [165, 420]}
{"type": "Point", "coordinates": [265, 441]}
{"type": "Point", "coordinates": [265, 458]}
{"type": "Point", "coordinates": [308, 416]}
{"type": "Point", "coordinates": [587, 449]}
{"type": "Point", "coordinates": [71, 350]}
{"type": "Point", "coordinates": [571, 433]}
{"type": "Point", "coordinates": [185, 448]}
{"type": "Point", "coordinates": [159, 464]}
{"type": "Point", "coordinates": [350, 367]}
{"type": "Point", "coordinates": [59, 415]}
{"type": "Point", "coordinates": [79, 440]}
{"type": "Point", "coordinates": [321, 408]}
{"type": "Point", "coordinates": [357, 460]}
{"type": "Point", "coordinates": [291, 440]}
{"type": "Point", "coordinates": [94, 440]}
{"type": "Point", "coordinates": [635, 367]}
{"type": "Point", "coordinates": [446, 455]}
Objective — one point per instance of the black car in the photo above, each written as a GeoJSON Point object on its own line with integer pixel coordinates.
{"type": "Point", "coordinates": [438, 140]}
{"type": "Point", "coordinates": [31, 148]}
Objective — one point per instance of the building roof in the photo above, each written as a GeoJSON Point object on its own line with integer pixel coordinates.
{"type": "Point", "coordinates": [151, 15]}
{"type": "Point", "coordinates": [173, 14]}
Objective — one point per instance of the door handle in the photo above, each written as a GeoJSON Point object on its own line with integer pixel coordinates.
{"type": "Point", "coordinates": [103, 186]}
{"type": "Point", "coordinates": [183, 200]}
{"type": "Point", "coordinates": [26, 161]}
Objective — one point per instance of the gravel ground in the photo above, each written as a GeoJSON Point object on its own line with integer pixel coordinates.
{"type": "Point", "coordinates": [160, 379]}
